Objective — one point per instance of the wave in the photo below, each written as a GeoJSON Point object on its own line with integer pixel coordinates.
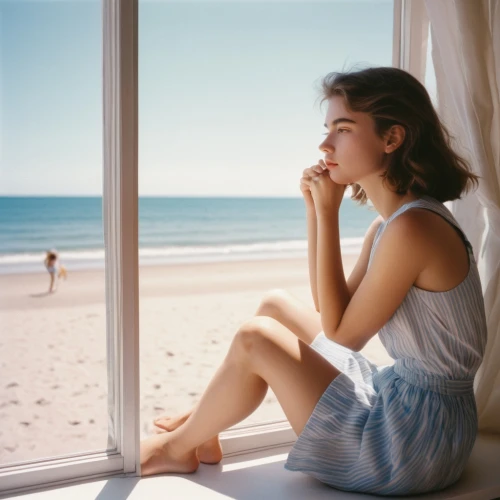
{"type": "Point", "coordinates": [94, 259]}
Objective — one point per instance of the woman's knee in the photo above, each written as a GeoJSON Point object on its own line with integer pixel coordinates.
{"type": "Point", "coordinates": [252, 335]}
{"type": "Point", "coordinates": [273, 302]}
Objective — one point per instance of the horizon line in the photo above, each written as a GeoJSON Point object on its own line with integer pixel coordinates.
{"type": "Point", "coordinates": [148, 196]}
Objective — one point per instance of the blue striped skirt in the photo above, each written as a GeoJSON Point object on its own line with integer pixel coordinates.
{"type": "Point", "coordinates": [385, 430]}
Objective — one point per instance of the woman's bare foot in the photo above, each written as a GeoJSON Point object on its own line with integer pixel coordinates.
{"type": "Point", "coordinates": [210, 452]}
{"type": "Point", "coordinates": [159, 457]}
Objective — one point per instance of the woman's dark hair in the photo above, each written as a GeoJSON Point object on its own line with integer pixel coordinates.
{"type": "Point", "coordinates": [425, 163]}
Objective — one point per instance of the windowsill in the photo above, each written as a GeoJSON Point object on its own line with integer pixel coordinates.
{"type": "Point", "coordinates": [261, 475]}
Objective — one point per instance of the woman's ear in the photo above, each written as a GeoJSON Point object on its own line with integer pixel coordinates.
{"type": "Point", "coordinates": [394, 138]}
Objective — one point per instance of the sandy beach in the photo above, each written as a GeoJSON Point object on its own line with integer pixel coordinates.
{"type": "Point", "coordinates": [53, 397]}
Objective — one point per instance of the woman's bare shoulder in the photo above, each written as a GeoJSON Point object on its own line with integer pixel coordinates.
{"type": "Point", "coordinates": [437, 245]}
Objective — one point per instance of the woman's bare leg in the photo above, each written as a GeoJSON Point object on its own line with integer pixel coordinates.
{"type": "Point", "coordinates": [263, 353]}
{"type": "Point", "coordinates": [302, 320]}
{"type": "Point", "coordinates": [52, 283]}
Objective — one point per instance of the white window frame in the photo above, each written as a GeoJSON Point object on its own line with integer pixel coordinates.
{"type": "Point", "coordinates": [120, 218]}
{"type": "Point", "coordinates": [409, 48]}
{"type": "Point", "coordinates": [120, 203]}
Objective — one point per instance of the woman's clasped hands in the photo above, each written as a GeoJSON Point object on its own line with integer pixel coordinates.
{"type": "Point", "coordinates": [318, 188]}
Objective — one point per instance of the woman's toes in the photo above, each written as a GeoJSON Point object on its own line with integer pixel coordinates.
{"type": "Point", "coordinates": [170, 423]}
{"type": "Point", "coordinates": [158, 430]}
{"type": "Point", "coordinates": [164, 423]}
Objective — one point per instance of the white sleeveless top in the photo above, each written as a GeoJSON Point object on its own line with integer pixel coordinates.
{"type": "Point", "coordinates": [437, 333]}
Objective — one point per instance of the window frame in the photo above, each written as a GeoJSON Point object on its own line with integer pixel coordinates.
{"type": "Point", "coordinates": [120, 219]}
{"type": "Point", "coordinates": [120, 215]}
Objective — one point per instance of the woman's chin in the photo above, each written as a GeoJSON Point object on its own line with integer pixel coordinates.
{"type": "Point", "coordinates": [337, 177]}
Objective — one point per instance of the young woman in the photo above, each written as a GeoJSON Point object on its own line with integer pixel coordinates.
{"type": "Point", "coordinates": [392, 430]}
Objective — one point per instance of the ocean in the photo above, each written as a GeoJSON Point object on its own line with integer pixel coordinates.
{"type": "Point", "coordinates": [171, 230]}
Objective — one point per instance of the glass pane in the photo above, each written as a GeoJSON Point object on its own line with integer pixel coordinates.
{"type": "Point", "coordinates": [53, 397]}
{"type": "Point", "coordinates": [229, 118]}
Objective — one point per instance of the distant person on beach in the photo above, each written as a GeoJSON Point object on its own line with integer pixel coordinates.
{"type": "Point", "coordinates": [55, 269]}
{"type": "Point", "coordinates": [394, 430]}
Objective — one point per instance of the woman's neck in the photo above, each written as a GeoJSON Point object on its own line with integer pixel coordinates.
{"type": "Point", "coordinates": [385, 201]}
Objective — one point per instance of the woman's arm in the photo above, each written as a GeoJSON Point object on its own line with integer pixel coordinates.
{"type": "Point", "coordinates": [402, 254]}
{"type": "Point", "coordinates": [333, 293]}
{"type": "Point", "coordinates": [359, 270]}
{"type": "Point", "coordinates": [312, 235]}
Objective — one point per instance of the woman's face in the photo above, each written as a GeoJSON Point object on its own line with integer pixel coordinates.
{"type": "Point", "coordinates": [352, 143]}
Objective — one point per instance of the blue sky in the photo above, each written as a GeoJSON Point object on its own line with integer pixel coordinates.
{"type": "Point", "coordinates": [227, 92]}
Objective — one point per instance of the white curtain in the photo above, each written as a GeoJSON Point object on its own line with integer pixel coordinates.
{"type": "Point", "coordinates": [466, 57]}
